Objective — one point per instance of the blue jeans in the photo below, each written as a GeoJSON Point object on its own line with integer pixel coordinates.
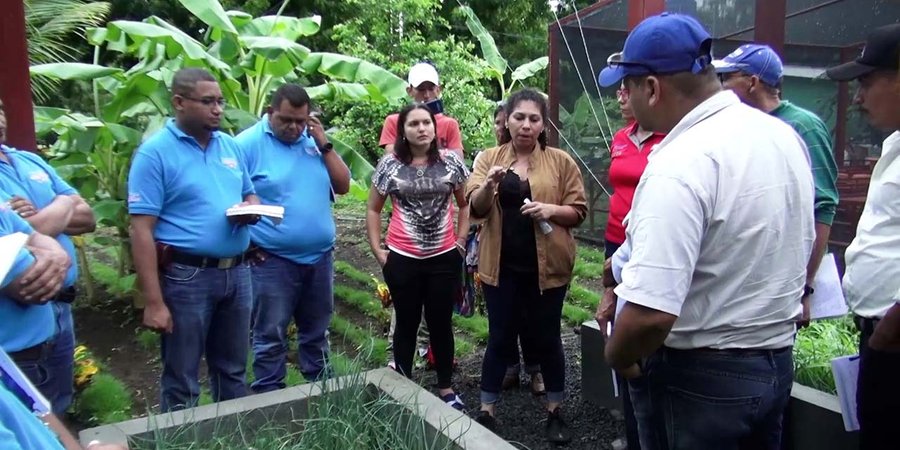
{"type": "Point", "coordinates": [211, 313]}
{"type": "Point", "coordinates": [284, 290]}
{"type": "Point", "coordinates": [53, 372]}
{"type": "Point", "coordinates": [707, 399]}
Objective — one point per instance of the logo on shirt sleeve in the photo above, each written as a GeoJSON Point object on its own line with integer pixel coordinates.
{"type": "Point", "coordinates": [39, 176]}
{"type": "Point", "coordinates": [134, 197]}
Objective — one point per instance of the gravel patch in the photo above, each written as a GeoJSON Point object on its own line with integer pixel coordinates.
{"type": "Point", "coordinates": [521, 416]}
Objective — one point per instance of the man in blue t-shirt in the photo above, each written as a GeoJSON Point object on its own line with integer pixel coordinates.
{"type": "Point", "coordinates": [189, 257]}
{"type": "Point", "coordinates": [292, 164]}
{"type": "Point", "coordinates": [37, 194]}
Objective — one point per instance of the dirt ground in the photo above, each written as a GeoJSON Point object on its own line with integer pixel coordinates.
{"type": "Point", "coordinates": [111, 334]}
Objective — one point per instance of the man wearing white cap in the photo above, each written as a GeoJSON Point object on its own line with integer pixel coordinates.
{"type": "Point", "coordinates": [425, 87]}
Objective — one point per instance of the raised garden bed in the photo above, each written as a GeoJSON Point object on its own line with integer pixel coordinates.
{"type": "Point", "coordinates": [375, 409]}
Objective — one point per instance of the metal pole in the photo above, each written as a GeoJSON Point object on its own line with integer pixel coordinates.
{"type": "Point", "coordinates": [639, 10]}
{"type": "Point", "coordinates": [769, 24]}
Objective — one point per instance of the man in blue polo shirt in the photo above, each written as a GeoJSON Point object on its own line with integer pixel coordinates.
{"type": "Point", "coordinates": [189, 257]}
{"type": "Point", "coordinates": [292, 164]}
{"type": "Point", "coordinates": [36, 276]}
{"type": "Point", "coordinates": [37, 194]}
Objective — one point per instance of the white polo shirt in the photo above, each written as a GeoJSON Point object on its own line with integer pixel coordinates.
{"type": "Point", "coordinates": [722, 227]}
{"type": "Point", "coordinates": [872, 277]}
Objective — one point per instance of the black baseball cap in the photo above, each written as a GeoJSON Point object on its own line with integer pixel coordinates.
{"type": "Point", "coordinates": [882, 51]}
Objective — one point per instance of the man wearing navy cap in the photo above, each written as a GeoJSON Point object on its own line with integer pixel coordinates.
{"type": "Point", "coordinates": [717, 243]}
{"type": "Point", "coordinates": [872, 279]}
{"type": "Point", "coordinates": [754, 72]}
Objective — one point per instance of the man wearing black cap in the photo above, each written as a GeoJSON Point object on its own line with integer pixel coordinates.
{"type": "Point", "coordinates": [872, 277]}
{"type": "Point", "coordinates": [716, 242]}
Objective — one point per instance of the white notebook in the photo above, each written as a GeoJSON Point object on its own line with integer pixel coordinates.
{"type": "Point", "coordinates": [273, 212]}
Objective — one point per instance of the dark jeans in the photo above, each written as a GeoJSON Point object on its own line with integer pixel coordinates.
{"type": "Point", "coordinates": [631, 428]}
{"type": "Point", "coordinates": [707, 399]}
{"type": "Point", "coordinates": [517, 305]}
{"type": "Point", "coordinates": [283, 291]}
{"type": "Point", "coordinates": [433, 284]}
{"type": "Point", "coordinates": [211, 313]}
{"type": "Point", "coordinates": [877, 394]}
{"type": "Point", "coordinates": [53, 371]}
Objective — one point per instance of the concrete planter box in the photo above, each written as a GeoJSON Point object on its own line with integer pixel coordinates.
{"type": "Point", "coordinates": [812, 422]}
{"type": "Point", "coordinates": [287, 405]}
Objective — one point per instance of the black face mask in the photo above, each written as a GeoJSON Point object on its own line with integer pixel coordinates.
{"type": "Point", "coordinates": [436, 106]}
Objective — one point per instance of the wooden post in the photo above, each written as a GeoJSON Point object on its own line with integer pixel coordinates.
{"type": "Point", "coordinates": [15, 82]}
{"type": "Point", "coordinates": [769, 24]}
{"type": "Point", "coordinates": [553, 82]}
{"type": "Point", "coordinates": [639, 10]}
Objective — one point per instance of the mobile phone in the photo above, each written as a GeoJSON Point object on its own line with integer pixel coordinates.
{"type": "Point", "coordinates": [436, 106]}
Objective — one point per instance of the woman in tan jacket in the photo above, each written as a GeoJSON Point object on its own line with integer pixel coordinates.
{"type": "Point", "coordinates": [530, 196]}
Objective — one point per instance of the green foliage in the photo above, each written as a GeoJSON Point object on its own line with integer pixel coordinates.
{"type": "Point", "coordinates": [250, 56]}
{"type": "Point", "coordinates": [147, 340]}
{"type": "Point", "coordinates": [498, 64]}
{"type": "Point", "coordinates": [348, 415]}
{"type": "Point", "coordinates": [584, 269]}
{"type": "Point", "coordinates": [462, 347]}
{"type": "Point", "coordinates": [588, 129]}
{"type": "Point", "coordinates": [583, 297]}
{"type": "Point", "coordinates": [476, 326]}
{"type": "Point", "coordinates": [50, 26]}
{"type": "Point", "coordinates": [590, 254]}
{"type": "Point", "coordinates": [370, 348]}
{"type": "Point", "coordinates": [464, 77]}
{"type": "Point", "coordinates": [363, 301]}
{"type": "Point", "coordinates": [817, 345]}
{"type": "Point", "coordinates": [574, 315]}
{"type": "Point", "coordinates": [106, 400]}
{"type": "Point", "coordinates": [344, 268]}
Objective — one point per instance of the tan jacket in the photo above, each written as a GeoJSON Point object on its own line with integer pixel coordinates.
{"type": "Point", "coordinates": [554, 178]}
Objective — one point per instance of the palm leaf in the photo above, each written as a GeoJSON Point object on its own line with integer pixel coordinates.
{"type": "Point", "coordinates": [50, 26]}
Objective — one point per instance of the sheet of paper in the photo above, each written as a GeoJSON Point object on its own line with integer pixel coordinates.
{"type": "Point", "coordinates": [846, 372]}
{"type": "Point", "coordinates": [17, 383]}
{"type": "Point", "coordinates": [828, 298]}
{"type": "Point", "coordinates": [9, 250]}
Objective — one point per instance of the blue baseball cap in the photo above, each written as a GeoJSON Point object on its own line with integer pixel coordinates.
{"type": "Point", "coordinates": [662, 44]}
{"type": "Point", "coordinates": [753, 59]}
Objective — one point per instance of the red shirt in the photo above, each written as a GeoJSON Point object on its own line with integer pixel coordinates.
{"type": "Point", "coordinates": [447, 129]}
{"type": "Point", "coordinates": [627, 164]}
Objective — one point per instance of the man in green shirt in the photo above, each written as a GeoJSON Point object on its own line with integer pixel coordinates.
{"type": "Point", "coordinates": [754, 73]}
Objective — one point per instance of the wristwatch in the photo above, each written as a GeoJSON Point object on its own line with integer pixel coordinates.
{"type": "Point", "coordinates": [808, 290]}
{"type": "Point", "coordinates": [326, 148]}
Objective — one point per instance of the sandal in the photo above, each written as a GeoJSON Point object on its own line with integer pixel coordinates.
{"type": "Point", "coordinates": [537, 384]}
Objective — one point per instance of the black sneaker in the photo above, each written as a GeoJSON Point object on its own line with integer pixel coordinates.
{"type": "Point", "coordinates": [557, 430]}
{"type": "Point", "coordinates": [486, 420]}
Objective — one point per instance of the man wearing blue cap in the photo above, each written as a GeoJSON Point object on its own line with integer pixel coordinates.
{"type": "Point", "coordinates": [716, 247]}
{"type": "Point", "coordinates": [754, 72]}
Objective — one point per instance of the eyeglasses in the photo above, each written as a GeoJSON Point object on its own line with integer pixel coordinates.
{"type": "Point", "coordinates": [615, 60]}
{"type": "Point", "coordinates": [208, 101]}
{"type": "Point", "coordinates": [622, 94]}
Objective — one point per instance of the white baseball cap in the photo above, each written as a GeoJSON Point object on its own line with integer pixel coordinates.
{"type": "Point", "coordinates": [421, 73]}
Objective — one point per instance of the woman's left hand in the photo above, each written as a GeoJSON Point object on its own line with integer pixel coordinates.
{"type": "Point", "coordinates": [539, 211]}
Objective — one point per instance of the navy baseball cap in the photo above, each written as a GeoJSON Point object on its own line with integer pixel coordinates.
{"type": "Point", "coordinates": [753, 59]}
{"type": "Point", "coordinates": [882, 51]}
{"type": "Point", "coordinates": [662, 44]}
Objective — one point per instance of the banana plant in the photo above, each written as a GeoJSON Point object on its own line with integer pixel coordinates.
{"type": "Point", "coordinates": [498, 66]}
{"type": "Point", "coordinates": [249, 56]}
